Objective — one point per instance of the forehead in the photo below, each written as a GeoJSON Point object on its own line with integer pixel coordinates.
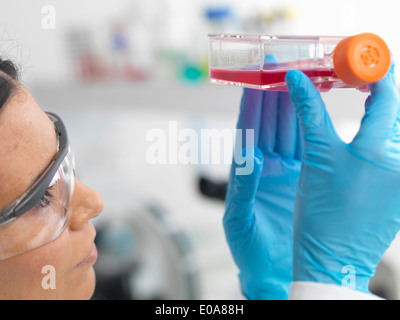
{"type": "Point", "coordinates": [27, 144]}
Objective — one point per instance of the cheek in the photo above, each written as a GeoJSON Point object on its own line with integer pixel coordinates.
{"type": "Point", "coordinates": [30, 275]}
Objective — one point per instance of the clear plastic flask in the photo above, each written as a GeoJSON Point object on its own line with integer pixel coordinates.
{"type": "Point", "coordinates": [262, 61]}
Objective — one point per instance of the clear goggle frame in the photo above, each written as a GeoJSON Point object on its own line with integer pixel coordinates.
{"type": "Point", "coordinates": [40, 215]}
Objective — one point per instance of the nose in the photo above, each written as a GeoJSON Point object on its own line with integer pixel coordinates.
{"type": "Point", "coordinates": [85, 205]}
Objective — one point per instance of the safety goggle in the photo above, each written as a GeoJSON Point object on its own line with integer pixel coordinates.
{"type": "Point", "coordinates": [40, 215]}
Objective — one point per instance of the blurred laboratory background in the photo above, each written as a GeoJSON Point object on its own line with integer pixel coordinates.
{"type": "Point", "coordinates": [114, 71]}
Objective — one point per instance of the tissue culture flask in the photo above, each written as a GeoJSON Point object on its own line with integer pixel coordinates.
{"type": "Point", "coordinates": [262, 62]}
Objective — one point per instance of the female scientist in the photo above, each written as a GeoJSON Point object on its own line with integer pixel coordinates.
{"type": "Point", "coordinates": [345, 215]}
{"type": "Point", "coordinates": [39, 237]}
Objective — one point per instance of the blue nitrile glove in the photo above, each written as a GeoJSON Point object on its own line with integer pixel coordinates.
{"type": "Point", "coordinates": [348, 204]}
{"type": "Point", "coordinates": [259, 206]}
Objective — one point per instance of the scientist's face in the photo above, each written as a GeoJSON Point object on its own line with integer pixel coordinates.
{"type": "Point", "coordinates": [27, 145]}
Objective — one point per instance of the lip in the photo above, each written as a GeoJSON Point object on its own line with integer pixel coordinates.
{"type": "Point", "coordinates": [90, 258]}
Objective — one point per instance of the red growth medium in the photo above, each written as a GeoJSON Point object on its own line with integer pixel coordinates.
{"type": "Point", "coordinates": [324, 79]}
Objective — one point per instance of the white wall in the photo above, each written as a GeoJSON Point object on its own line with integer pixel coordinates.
{"type": "Point", "coordinates": [42, 52]}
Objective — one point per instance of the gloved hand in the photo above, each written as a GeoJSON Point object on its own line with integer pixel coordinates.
{"type": "Point", "coordinates": [348, 204]}
{"type": "Point", "coordinates": [259, 206]}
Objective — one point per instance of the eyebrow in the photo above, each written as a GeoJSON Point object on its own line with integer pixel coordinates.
{"type": "Point", "coordinates": [47, 176]}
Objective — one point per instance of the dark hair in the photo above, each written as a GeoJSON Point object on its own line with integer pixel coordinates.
{"type": "Point", "coordinates": [8, 80]}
